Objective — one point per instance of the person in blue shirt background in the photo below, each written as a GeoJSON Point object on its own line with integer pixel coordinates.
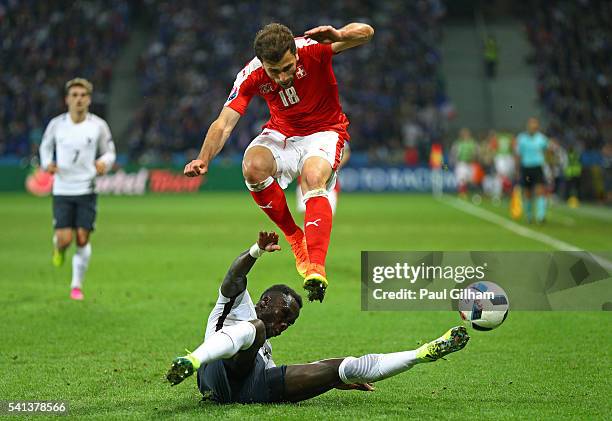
{"type": "Point", "coordinates": [530, 149]}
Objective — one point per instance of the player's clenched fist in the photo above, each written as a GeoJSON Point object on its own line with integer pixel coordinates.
{"type": "Point", "coordinates": [100, 167]}
{"type": "Point", "coordinates": [195, 168]}
{"type": "Point", "coordinates": [51, 168]}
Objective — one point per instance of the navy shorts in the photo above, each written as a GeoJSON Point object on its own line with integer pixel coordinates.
{"type": "Point", "coordinates": [75, 211]}
{"type": "Point", "coordinates": [530, 176]}
{"type": "Point", "coordinates": [261, 385]}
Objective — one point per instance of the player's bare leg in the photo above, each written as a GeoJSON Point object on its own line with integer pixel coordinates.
{"type": "Point", "coordinates": [258, 168]}
{"type": "Point", "coordinates": [80, 263]}
{"type": "Point", "coordinates": [61, 241]}
{"type": "Point", "coordinates": [317, 223]}
{"type": "Point", "coordinates": [306, 381]}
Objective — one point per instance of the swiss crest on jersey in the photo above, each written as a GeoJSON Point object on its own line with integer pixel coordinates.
{"type": "Point", "coordinates": [266, 88]}
{"type": "Point", "coordinates": [300, 72]}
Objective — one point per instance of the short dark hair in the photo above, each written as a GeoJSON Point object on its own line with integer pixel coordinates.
{"type": "Point", "coordinates": [287, 290]}
{"type": "Point", "coordinates": [272, 42]}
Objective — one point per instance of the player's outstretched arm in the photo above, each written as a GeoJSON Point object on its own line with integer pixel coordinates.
{"type": "Point", "coordinates": [235, 280]}
{"type": "Point", "coordinates": [218, 133]}
{"type": "Point", "coordinates": [349, 36]}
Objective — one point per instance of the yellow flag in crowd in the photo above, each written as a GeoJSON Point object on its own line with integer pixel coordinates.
{"type": "Point", "coordinates": [516, 203]}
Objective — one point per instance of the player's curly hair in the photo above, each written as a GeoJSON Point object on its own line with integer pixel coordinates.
{"type": "Point", "coordinates": [285, 289]}
{"type": "Point", "coordinates": [272, 42]}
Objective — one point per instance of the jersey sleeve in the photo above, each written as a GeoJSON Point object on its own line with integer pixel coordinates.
{"type": "Point", "coordinates": [228, 311]}
{"type": "Point", "coordinates": [47, 145]}
{"type": "Point", "coordinates": [242, 92]}
{"type": "Point", "coordinates": [106, 146]}
{"type": "Point", "coordinates": [318, 50]}
{"type": "Point", "coordinates": [321, 52]}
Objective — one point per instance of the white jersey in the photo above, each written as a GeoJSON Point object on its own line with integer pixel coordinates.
{"type": "Point", "coordinates": [230, 311]}
{"type": "Point", "coordinates": [76, 146]}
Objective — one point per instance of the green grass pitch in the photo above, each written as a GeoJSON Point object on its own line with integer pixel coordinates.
{"type": "Point", "coordinates": [158, 261]}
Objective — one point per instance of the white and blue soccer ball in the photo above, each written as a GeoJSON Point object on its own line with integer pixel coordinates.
{"type": "Point", "coordinates": [484, 305]}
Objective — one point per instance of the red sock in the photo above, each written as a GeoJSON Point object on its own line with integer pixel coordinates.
{"type": "Point", "coordinates": [317, 226]}
{"type": "Point", "coordinates": [272, 201]}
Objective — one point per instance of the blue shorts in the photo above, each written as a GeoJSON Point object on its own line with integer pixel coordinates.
{"type": "Point", "coordinates": [261, 385]}
{"type": "Point", "coordinates": [75, 211]}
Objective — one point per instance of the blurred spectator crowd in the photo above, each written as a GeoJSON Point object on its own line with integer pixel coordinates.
{"type": "Point", "coordinates": [390, 89]}
{"type": "Point", "coordinates": [572, 43]}
{"type": "Point", "coordinates": [42, 45]}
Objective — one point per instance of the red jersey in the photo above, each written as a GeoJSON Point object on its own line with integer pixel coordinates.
{"type": "Point", "coordinates": [308, 106]}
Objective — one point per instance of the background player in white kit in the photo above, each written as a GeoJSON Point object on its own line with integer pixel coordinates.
{"type": "Point", "coordinates": [76, 147]}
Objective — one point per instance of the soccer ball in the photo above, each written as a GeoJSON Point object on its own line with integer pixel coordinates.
{"type": "Point", "coordinates": [484, 305]}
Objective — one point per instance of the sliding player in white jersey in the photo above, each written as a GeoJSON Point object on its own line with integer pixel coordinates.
{"type": "Point", "coordinates": [234, 363]}
{"type": "Point", "coordinates": [76, 147]}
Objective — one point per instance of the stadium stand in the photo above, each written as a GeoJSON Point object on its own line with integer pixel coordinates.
{"type": "Point", "coordinates": [189, 67]}
{"type": "Point", "coordinates": [573, 58]}
{"type": "Point", "coordinates": [44, 44]}
{"type": "Point", "coordinates": [188, 70]}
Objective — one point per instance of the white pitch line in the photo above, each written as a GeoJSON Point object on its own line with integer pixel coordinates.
{"type": "Point", "coordinates": [521, 230]}
{"type": "Point", "coordinates": [603, 214]}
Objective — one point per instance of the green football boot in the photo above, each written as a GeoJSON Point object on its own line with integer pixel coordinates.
{"type": "Point", "coordinates": [452, 341]}
{"type": "Point", "coordinates": [181, 368]}
{"type": "Point", "coordinates": [316, 282]}
{"type": "Point", "coordinates": [58, 257]}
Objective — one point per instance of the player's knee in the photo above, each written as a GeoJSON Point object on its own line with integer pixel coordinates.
{"type": "Point", "coordinates": [82, 242]}
{"type": "Point", "coordinates": [260, 332]}
{"type": "Point", "coordinates": [257, 168]}
{"type": "Point", "coordinates": [82, 239]}
{"type": "Point", "coordinates": [313, 180]}
{"type": "Point", "coordinates": [64, 240]}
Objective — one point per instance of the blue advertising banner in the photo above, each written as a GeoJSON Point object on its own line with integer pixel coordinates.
{"type": "Point", "coordinates": [386, 179]}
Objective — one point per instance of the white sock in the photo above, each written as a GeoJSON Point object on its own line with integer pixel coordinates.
{"type": "Point", "coordinates": [374, 367]}
{"type": "Point", "coordinates": [333, 200]}
{"type": "Point", "coordinates": [226, 343]}
{"type": "Point", "coordinates": [80, 262]}
{"type": "Point", "coordinates": [299, 197]}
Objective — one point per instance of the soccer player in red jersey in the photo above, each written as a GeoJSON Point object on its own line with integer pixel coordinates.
{"type": "Point", "coordinates": [304, 136]}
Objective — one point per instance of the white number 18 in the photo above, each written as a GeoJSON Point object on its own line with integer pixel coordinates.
{"type": "Point", "coordinates": [290, 96]}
